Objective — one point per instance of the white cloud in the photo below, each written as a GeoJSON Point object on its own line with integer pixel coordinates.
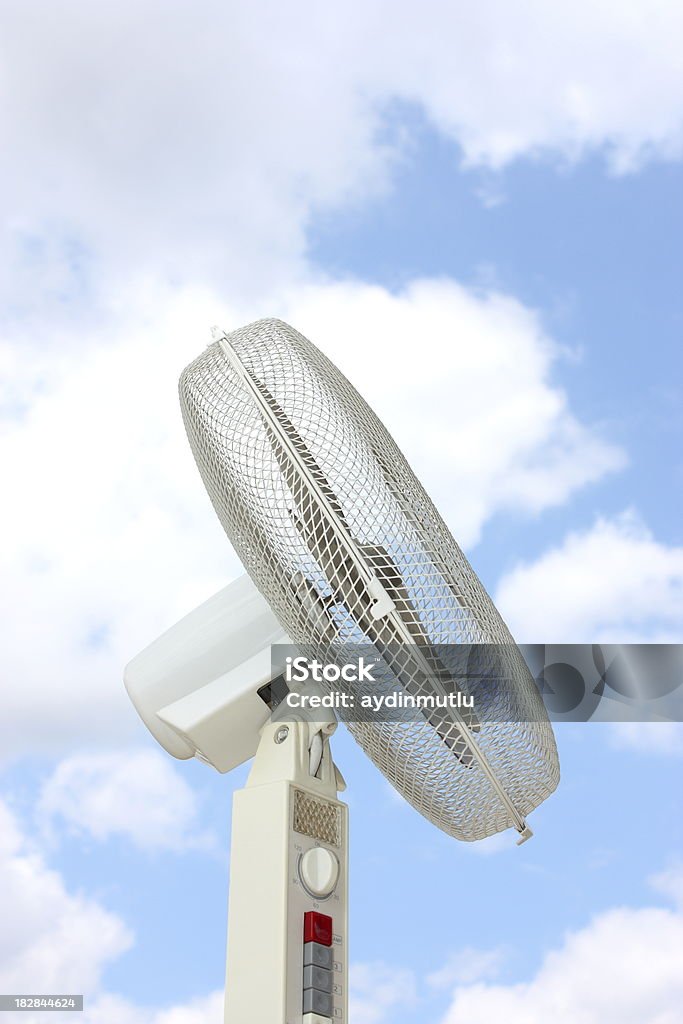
{"type": "Point", "coordinates": [136, 794]}
{"type": "Point", "coordinates": [111, 1009]}
{"type": "Point", "coordinates": [51, 939]}
{"type": "Point", "coordinates": [670, 883]}
{"type": "Point", "coordinates": [207, 1010]}
{"type": "Point", "coordinates": [376, 989]}
{"type": "Point", "coordinates": [648, 737]}
{"type": "Point", "coordinates": [511, 80]}
{"type": "Point", "coordinates": [113, 535]}
{"type": "Point", "coordinates": [200, 144]}
{"type": "Point", "coordinates": [55, 940]}
{"type": "Point", "coordinates": [613, 583]}
{"type": "Point", "coordinates": [624, 967]}
{"type": "Point", "coordinates": [466, 966]}
{"type": "Point", "coordinates": [195, 144]}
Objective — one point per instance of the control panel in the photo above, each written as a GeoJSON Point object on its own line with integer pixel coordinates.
{"type": "Point", "coordinates": [317, 969]}
{"type": "Point", "coordinates": [287, 957]}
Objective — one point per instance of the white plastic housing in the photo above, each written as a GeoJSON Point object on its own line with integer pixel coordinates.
{"type": "Point", "coordinates": [195, 687]}
{"type": "Point", "coordinates": [271, 836]}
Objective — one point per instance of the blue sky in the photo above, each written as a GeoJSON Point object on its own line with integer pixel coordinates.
{"type": "Point", "coordinates": [598, 255]}
{"type": "Point", "coordinates": [478, 216]}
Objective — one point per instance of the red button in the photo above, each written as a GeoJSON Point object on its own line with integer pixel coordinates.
{"type": "Point", "coordinates": [317, 928]}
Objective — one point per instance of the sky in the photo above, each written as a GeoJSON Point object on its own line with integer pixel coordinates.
{"type": "Point", "coordinates": [476, 213]}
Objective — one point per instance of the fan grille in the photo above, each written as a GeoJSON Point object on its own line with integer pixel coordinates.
{"type": "Point", "coordinates": [308, 539]}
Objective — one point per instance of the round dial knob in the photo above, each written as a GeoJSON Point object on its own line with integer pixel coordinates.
{"type": "Point", "coordinates": [319, 870]}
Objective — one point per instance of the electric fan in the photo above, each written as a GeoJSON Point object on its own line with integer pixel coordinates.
{"type": "Point", "coordinates": [344, 550]}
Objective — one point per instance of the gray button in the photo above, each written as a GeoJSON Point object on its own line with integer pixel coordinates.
{"type": "Point", "coordinates": [319, 955]}
{"type": "Point", "coordinates": [317, 1002]}
{"type": "Point", "coordinates": [317, 977]}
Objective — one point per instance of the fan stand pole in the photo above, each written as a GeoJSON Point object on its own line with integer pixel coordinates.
{"type": "Point", "coordinates": [287, 919]}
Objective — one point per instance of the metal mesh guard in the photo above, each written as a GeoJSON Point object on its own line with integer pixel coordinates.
{"type": "Point", "coordinates": [273, 518]}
